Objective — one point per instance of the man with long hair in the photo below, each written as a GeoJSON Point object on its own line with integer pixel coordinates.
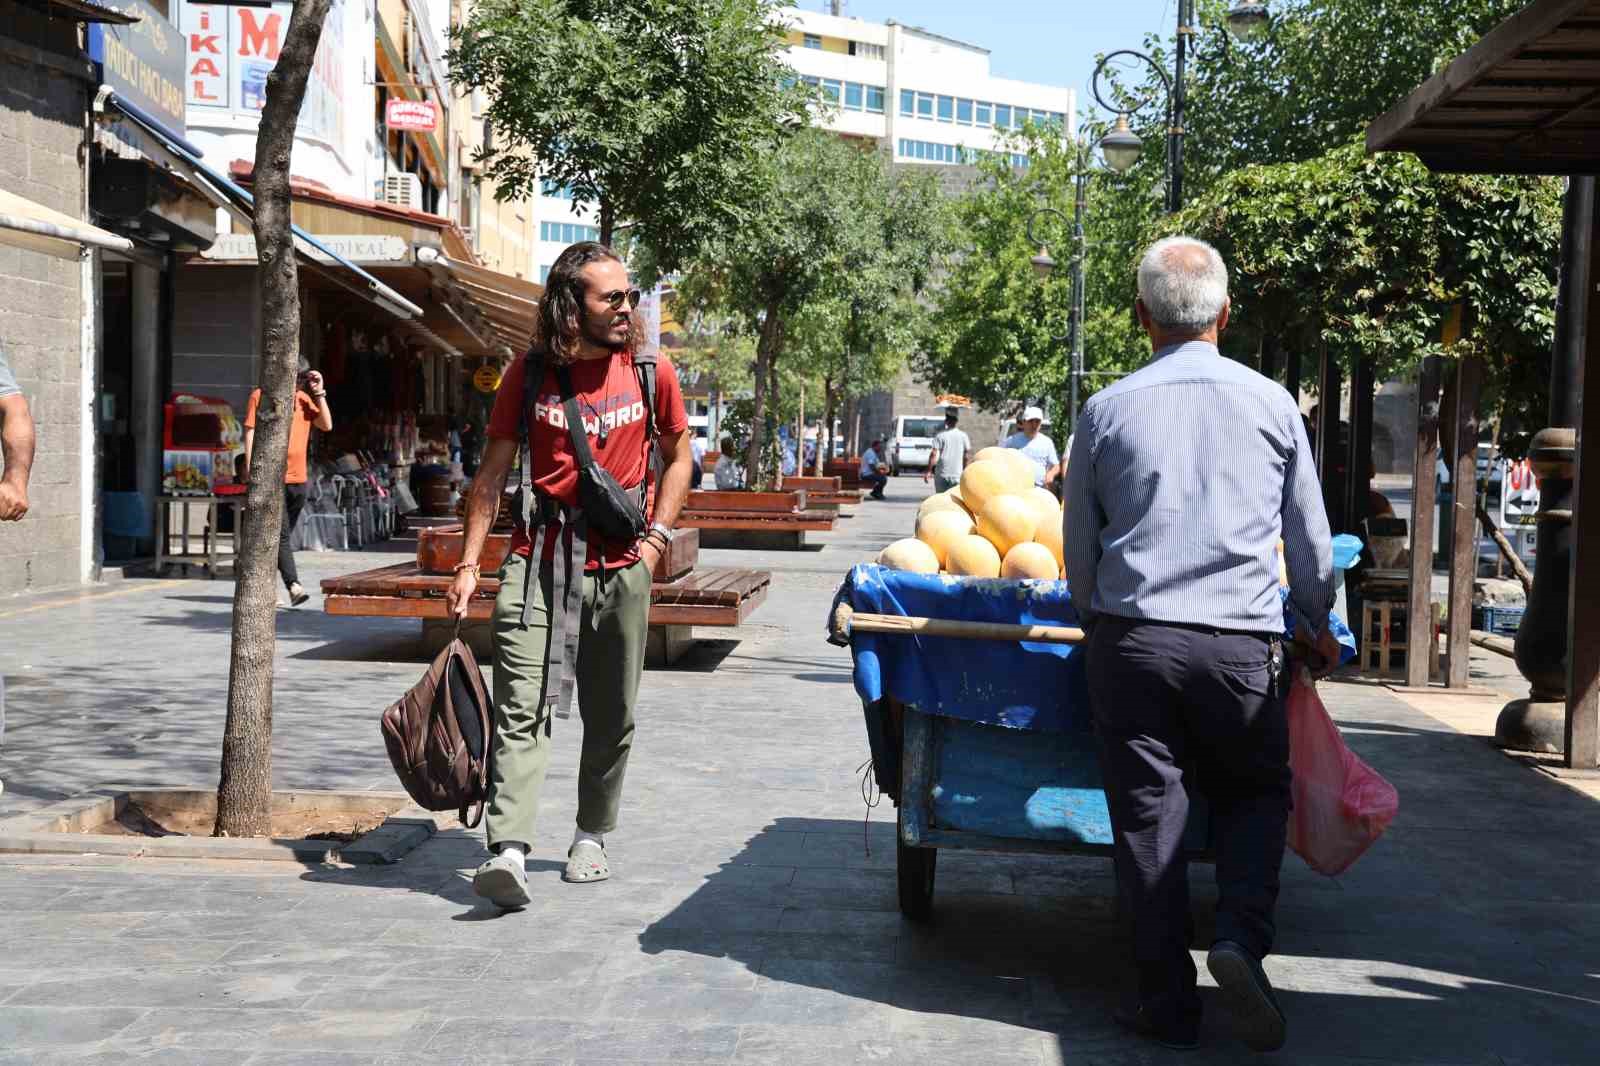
{"type": "Point", "coordinates": [588, 345]}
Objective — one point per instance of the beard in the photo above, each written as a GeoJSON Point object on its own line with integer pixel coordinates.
{"type": "Point", "coordinates": [598, 331]}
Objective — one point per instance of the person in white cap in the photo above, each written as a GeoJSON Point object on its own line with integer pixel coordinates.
{"type": "Point", "coordinates": [1033, 443]}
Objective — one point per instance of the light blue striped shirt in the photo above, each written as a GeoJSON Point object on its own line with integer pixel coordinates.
{"type": "Point", "coordinates": [1182, 479]}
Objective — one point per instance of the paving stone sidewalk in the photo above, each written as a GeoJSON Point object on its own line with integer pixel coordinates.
{"type": "Point", "coordinates": [748, 921]}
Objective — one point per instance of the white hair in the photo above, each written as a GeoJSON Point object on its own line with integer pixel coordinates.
{"type": "Point", "coordinates": [1182, 295]}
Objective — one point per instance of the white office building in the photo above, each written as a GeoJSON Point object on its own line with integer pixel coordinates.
{"type": "Point", "coordinates": [920, 96]}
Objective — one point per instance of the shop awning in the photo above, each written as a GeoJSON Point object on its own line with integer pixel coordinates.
{"type": "Point", "coordinates": [241, 205]}
{"type": "Point", "coordinates": [25, 224]}
{"type": "Point", "coordinates": [90, 11]}
{"type": "Point", "coordinates": [1524, 100]}
{"type": "Point", "coordinates": [507, 305]}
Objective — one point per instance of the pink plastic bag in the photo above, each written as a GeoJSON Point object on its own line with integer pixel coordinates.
{"type": "Point", "coordinates": [1341, 805]}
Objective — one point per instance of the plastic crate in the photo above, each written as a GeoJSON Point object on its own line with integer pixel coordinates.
{"type": "Point", "coordinates": [1492, 619]}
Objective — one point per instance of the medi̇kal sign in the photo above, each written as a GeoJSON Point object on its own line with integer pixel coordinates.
{"type": "Point", "coordinates": [417, 115]}
{"type": "Point", "coordinates": [142, 61]}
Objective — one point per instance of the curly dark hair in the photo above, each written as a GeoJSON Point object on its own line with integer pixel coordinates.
{"type": "Point", "coordinates": [558, 327]}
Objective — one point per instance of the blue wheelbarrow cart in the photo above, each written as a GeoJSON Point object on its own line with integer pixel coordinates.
{"type": "Point", "coordinates": [983, 744]}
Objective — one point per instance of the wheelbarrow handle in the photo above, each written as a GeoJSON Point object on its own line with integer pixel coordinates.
{"type": "Point", "coordinates": [847, 621]}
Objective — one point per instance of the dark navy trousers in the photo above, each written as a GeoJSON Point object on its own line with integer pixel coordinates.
{"type": "Point", "coordinates": [1180, 709]}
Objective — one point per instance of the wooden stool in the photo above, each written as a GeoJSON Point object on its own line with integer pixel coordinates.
{"type": "Point", "coordinates": [1377, 652]}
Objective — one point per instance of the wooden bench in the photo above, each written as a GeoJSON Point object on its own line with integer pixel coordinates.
{"type": "Point", "coordinates": [847, 470]}
{"type": "Point", "coordinates": [824, 493]}
{"type": "Point", "coordinates": [753, 519]}
{"type": "Point", "coordinates": [680, 596]}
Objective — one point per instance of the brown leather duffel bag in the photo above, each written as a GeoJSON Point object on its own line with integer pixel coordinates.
{"type": "Point", "coordinates": [440, 734]}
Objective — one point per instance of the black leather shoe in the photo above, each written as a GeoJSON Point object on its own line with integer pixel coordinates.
{"type": "Point", "coordinates": [1179, 1035]}
{"type": "Point", "coordinates": [1257, 1018]}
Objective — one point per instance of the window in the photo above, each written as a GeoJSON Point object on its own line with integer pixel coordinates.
{"type": "Point", "coordinates": [812, 41]}
{"type": "Point", "coordinates": [1002, 116]}
{"type": "Point", "coordinates": [875, 99]}
{"type": "Point", "coordinates": [854, 96]}
{"type": "Point", "coordinates": [908, 103]}
{"type": "Point", "coordinates": [1041, 117]}
{"type": "Point", "coordinates": [567, 232]}
{"type": "Point", "coordinates": [925, 105]}
{"type": "Point", "coordinates": [947, 109]}
{"type": "Point", "coordinates": [1059, 119]}
{"type": "Point", "coordinates": [964, 112]}
{"type": "Point", "coordinates": [985, 113]}
{"type": "Point", "coordinates": [811, 80]}
{"type": "Point", "coordinates": [866, 51]}
{"type": "Point", "coordinates": [1019, 117]}
{"type": "Point", "coordinates": [830, 90]}
{"type": "Point", "coordinates": [560, 192]}
{"type": "Point", "coordinates": [544, 274]}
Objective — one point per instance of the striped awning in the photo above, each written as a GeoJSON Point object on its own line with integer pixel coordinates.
{"type": "Point", "coordinates": [25, 224]}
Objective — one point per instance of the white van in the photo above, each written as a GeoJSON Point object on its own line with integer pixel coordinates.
{"type": "Point", "coordinates": [912, 446]}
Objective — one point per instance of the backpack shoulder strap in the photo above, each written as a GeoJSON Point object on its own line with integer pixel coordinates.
{"type": "Point", "coordinates": [644, 365]}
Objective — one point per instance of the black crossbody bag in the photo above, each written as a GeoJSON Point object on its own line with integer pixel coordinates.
{"type": "Point", "coordinates": [616, 513]}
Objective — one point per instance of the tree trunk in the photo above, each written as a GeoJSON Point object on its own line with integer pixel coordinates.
{"type": "Point", "coordinates": [244, 790]}
{"type": "Point", "coordinates": [766, 345]}
{"type": "Point", "coordinates": [774, 450]}
{"type": "Point", "coordinates": [608, 221]}
{"type": "Point", "coordinates": [825, 431]}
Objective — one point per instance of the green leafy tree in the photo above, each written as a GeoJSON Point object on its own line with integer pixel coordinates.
{"type": "Point", "coordinates": [826, 215]}
{"type": "Point", "coordinates": [1365, 254]}
{"type": "Point", "coordinates": [657, 112]}
{"type": "Point", "coordinates": [997, 330]}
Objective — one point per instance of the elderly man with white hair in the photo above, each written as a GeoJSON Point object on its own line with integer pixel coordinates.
{"type": "Point", "coordinates": [1182, 479]}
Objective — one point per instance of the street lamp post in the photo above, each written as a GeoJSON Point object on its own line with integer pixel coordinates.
{"type": "Point", "coordinates": [1247, 21]}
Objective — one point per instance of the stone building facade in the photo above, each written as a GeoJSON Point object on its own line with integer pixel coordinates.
{"type": "Point", "coordinates": [44, 99]}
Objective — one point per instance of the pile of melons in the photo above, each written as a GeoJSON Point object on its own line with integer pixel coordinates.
{"type": "Point", "coordinates": [996, 523]}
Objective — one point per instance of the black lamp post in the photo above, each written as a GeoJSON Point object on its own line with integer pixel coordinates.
{"type": "Point", "coordinates": [1246, 20]}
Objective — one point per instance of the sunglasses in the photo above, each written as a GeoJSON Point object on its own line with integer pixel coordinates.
{"type": "Point", "coordinates": [617, 297]}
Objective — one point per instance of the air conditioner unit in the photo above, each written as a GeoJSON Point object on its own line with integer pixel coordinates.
{"type": "Point", "coordinates": [403, 190]}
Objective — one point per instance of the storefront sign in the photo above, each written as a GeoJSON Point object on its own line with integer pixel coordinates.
{"type": "Point", "coordinates": [357, 248]}
{"type": "Point", "coordinates": [231, 50]}
{"type": "Point", "coordinates": [486, 379]}
{"type": "Point", "coordinates": [418, 115]}
{"type": "Point", "coordinates": [142, 61]}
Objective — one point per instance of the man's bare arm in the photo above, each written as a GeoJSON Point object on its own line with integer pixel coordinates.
{"type": "Point", "coordinates": [17, 441]}
{"type": "Point", "coordinates": [487, 487]}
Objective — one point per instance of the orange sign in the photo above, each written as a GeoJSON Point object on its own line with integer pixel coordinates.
{"type": "Point", "coordinates": [418, 115]}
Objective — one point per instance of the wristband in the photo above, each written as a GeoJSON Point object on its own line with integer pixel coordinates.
{"type": "Point", "coordinates": [476, 568]}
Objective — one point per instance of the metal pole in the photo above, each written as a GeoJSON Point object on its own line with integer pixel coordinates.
{"type": "Point", "coordinates": [1175, 127]}
{"type": "Point", "coordinates": [1076, 319]}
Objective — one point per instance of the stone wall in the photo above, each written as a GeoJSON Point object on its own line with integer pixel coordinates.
{"type": "Point", "coordinates": [42, 110]}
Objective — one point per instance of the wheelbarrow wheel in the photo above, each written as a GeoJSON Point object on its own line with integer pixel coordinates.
{"type": "Point", "coordinates": [914, 869]}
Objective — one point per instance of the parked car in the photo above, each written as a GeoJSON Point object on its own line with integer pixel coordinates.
{"type": "Point", "coordinates": [912, 446]}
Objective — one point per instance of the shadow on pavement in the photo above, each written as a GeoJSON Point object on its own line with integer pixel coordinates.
{"type": "Point", "coordinates": [1468, 934]}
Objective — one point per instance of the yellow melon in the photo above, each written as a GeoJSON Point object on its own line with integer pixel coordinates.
{"type": "Point", "coordinates": [982, 482]}
{"type": "Point", "coordinates": [1027, 470]}
{"type": "Point", "coordinates": [941, 529]}
{"type": "Point", "coordinates": [1029, 560]}
{"type": "Point", "coordinates": [993, 452]}
{"type": "Point", "coordinates": [1046, 508]}
{"type": "Point", "coordinates": [1006, 521]}
{"type": "Point", "coordinates": [1049, 535]}
{"type": "Point", "coordinates": [909, 554]}
{"type": "Point", "coordinates": [955, 494]}
{"type": "Point", "coordinates": [939, 501]}
{"type": "Point", "coordinates": [973, 556]}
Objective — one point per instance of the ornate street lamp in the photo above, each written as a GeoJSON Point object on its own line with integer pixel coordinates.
{"type": "Point", "coordinates": [1248, 21]}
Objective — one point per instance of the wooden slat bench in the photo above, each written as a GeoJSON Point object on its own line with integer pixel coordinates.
{"type": "Point", "coordinates": [753, 519]}
{"type": "Point", "coordinates": [680, 596]}
{"type": "Point", "coordinates": [824, 493]}
{"type": "Point", "coordinates": [847, 470]}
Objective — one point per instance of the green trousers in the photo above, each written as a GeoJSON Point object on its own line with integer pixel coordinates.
{"type": "Point", "coordinates": [616, 618]}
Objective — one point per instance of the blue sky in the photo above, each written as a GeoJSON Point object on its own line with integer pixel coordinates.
{"type": "Point", "coordinates": [1050, 41]}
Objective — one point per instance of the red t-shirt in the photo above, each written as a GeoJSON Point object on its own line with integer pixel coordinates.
{"type": "Point", "coordinates": [608, 395]}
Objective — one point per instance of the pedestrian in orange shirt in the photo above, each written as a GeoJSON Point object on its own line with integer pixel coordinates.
{"type": "Point", "coordinates": [310, 409]}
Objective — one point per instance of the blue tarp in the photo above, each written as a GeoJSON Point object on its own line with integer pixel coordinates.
{"type": "Point", "coordinates": [1021, 686]}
